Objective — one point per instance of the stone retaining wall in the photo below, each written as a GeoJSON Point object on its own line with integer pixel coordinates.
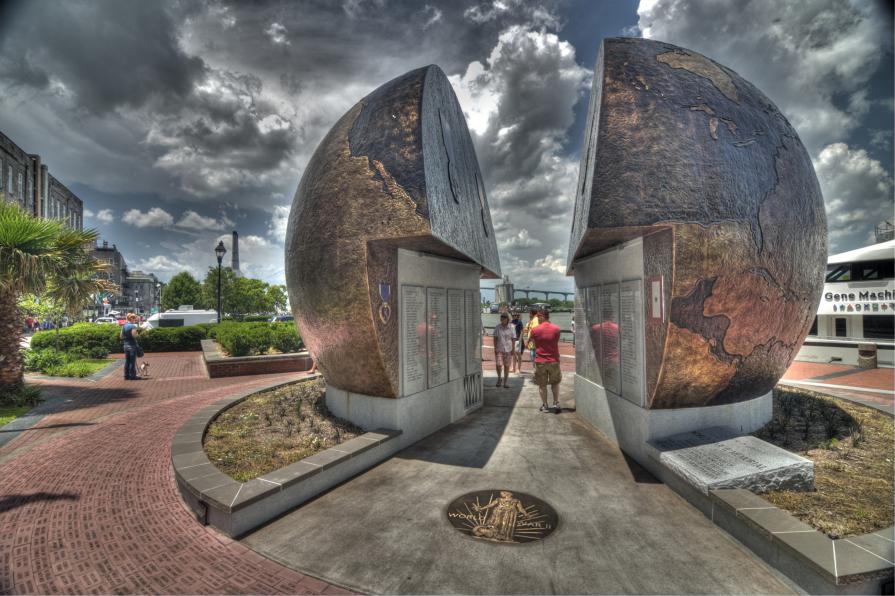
{"type": "Point", "coordinates": [219, 365]}
{"type": "Point", "coordinates": [236, 508]}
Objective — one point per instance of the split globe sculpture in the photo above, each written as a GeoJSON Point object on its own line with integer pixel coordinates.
{"type": "Point", "coordinates": [699, 236]}
{"type": "Point", "coordinates": [387, 239]}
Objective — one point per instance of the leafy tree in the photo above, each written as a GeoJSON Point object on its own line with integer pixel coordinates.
{"type": "Point", "coordinates": [277, 296]}
{"type": "Point", "coordinates": [243, 295]}
{"type": "Point", "coordinates": [183, 289]}
{"type": "Point", "coordinates": [46, 309]}
{"type": "Point", "coordinates": [37, 256]}
{"type": "Point", "coordinates": [210, 288]}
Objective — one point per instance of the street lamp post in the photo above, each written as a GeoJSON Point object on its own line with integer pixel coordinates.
{"type": "Point", "coordinates": [219, 251]}
{"type": "Point", "coordinates": [158, 295]}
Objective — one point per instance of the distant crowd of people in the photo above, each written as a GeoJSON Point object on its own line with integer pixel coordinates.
{"type": "Point", "coordinates": [34, 324]}
{"type": "Point", "coordinates": [540, 338]}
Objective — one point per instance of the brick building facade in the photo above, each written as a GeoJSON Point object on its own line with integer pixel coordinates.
{"type": "Point", "coordinates": [117, 272]}
{"type": "Point", "coordinates": [24, 179]}
{"type": "Point", "coordinates": [142, 292]}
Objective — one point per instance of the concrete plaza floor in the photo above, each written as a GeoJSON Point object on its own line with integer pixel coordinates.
{"type": "Point", "coordinates": [620, 531]}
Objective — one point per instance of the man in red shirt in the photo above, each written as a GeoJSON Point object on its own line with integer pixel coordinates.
{"type": "Point", "coordinates": [547, 372]}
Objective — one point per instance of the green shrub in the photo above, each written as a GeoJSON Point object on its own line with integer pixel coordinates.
{"type": "Point", "coordinates": [172, 339]}
{"type": "Point", "coordinates": [21, 396]}
{"type": "Point", "coordinates": [77, 368]}
{"type": "Point", "coordinates": [90, 340]}
{"type": "Point", "coordinates": [89, 337]}
{"type": "Point", "coordinates": [43, 360]}
{"type": "Point", "coordinates": [256, 318]}
{"type": "Point", "coordinates": [210, 329]}
{"type": "Point", "coordinates": [285, 337]}
{"type": "Point", "coordinates": [244, 339]}
{"type": "Point", "coordinates": [91, 353]}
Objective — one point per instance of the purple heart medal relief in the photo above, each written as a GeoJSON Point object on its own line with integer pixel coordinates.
{"type": "Point", "coordinates": [385, 294]}
{"type": "Point", "coordinates": [502, 516]}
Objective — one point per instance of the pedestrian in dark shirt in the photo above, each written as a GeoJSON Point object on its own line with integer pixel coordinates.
{"type": "Point", "coordinates": [131, 347]}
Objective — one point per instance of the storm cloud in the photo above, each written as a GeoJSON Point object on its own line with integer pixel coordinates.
{"type": "Point", "coordinates": [178, 120]}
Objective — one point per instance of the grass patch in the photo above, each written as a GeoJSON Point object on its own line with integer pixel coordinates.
{"type": "Point", "coordinates": [852, 449]}
{"type": "Point", "coordinates": [10, 413]}
{"type": "Point", "coordinates": [273, 429]}
{"type": "Point", "coordinates": [78, 368]}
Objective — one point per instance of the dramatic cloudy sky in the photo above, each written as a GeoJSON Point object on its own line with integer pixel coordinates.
{"type": "Point", "coordinates": [178, 122]}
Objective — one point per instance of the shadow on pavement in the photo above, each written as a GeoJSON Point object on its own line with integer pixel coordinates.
{"type": "Point", "coordinates": [12, 501]}
{"type": "Point", "coordinates": [66, 398]}
{"type": "Point", "coordinates": [640, 474]}
{"type": "Point", "coordinates": [479, 432]}
{"type": "Point", "coordinates": [21, 430]}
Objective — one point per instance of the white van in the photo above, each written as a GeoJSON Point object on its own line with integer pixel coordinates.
{"type": "Point", "coordinates": [180, 318]}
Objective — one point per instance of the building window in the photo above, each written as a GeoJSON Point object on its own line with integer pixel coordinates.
{"type": "Point", "coordinates": [9, 182]}
{"type": "Point", "coordinates": [861, 271]}
{"type": "Point", "coordinates": [877, 269]}
{"type": "Point", "coordinates": [813, 330]}
{"type": "Point", "coordinates": [879, 327]}
{"type": "Point", "coordinates": [839, 272]}
{"type": "Point", "coordinates": [20, 186]}
{"type": "Point", "coordinates": [841, 327]}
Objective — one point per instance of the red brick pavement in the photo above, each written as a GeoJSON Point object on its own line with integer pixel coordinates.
{"type": "Point", "coordinates": [800, 371]}
{"type": "Point", "coordinates": [88, 502]}
{"type": "Point", "coordinates": [876, 378]}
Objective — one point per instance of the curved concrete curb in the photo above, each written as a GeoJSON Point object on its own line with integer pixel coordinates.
{"type": "Point", "coordinates": [234, 507]}
{"type": "Point", "coordinates": [820, 565]}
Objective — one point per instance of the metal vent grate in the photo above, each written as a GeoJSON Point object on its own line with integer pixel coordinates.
{"type": "Point", "coordinates": [472, 387]}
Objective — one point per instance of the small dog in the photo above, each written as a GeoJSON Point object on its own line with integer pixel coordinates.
{"type": "Point", "coordinates": [144, 369]}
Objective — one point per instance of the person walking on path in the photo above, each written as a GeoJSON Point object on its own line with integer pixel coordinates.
{"type": "Point", "coordinates": [131, 347]}
{"type": "Point", "coordinates": [504, 344]}
{"type": "Point", "coordinates": [529, 327]}
{"type": "Point", "coordinates": [518, 325]}
{"type": "Point", "coordinates": [547, 372]}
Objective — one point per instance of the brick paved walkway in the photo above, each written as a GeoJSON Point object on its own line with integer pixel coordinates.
{"type": "Point", "coordinates": [88, 502]}
{"type": "Point", "coordinates": [846, 382]}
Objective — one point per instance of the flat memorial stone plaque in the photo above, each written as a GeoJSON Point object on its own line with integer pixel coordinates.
{"type": "Point", "coordinates": [438, 340]}
{"type": "Point", "coordinates": [716, 457]}
{"type": "Point", "coordinates": [456, 334]}
{"type": "Point", "coordinates": [413, 344]}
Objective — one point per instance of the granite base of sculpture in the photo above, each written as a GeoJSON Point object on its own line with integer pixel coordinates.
{"type": "Point", "coordinates": [698, 248]}
{"type": "Point", "coordinates": [387, 239]}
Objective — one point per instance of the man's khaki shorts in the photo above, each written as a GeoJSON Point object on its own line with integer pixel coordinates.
{"type": "Point", "coordinates": [547, 373]}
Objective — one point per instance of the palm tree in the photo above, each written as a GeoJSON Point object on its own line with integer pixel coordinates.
{"type": "Point", "coordinates": [38, 256]}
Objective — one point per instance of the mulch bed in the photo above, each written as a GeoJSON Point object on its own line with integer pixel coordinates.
{"type": "Point", "coordinates": [273, 429]}
{"type": "Point", "coordinates": [852, 450]}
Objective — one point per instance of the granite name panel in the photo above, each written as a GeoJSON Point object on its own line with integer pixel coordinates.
{"type": "Point", "coordinates": [436, 302]}
{"type": "Point", "coordinates": [473, 332]}
{"type": "Point", "coordinates": [631, 341]}
{"type": "Point", "coordinates": [414, 344]}
{"type": "Point", "coordinates": [456, 334]}
{"type": "Point", "coordinates": [609, 340]}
